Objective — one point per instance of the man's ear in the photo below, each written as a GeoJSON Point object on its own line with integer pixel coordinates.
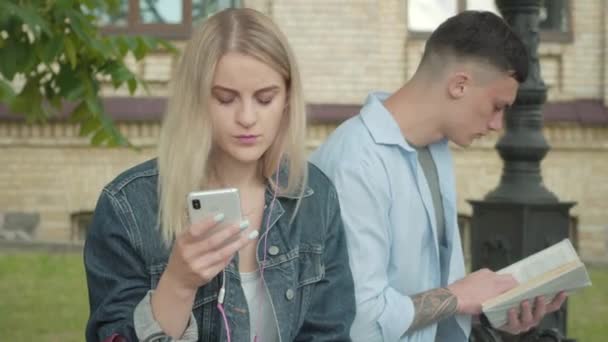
{"type": "Point", "coordinates": [458, 84]}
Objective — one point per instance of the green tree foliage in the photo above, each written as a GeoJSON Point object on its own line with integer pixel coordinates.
{"type": "Point", "coordinates": [57, 48]}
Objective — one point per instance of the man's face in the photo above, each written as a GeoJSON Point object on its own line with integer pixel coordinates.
{"type": "Point", "coordinates": [481, 108]}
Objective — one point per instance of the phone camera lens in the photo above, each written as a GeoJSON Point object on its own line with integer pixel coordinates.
{"type": "Point", "coordinates": [196, 204]}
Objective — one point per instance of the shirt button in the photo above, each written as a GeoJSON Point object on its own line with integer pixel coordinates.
{"type": "Point", "coordinates": [273, 250]}
{"type": "Point", "coordinates": [289, 294]}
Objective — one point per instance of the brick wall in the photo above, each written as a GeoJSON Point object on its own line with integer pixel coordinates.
{"type": "Point", "coordinates": [55, 173]}
{"type": "Point", "coordinates": [51, 171]}
{"type": "Point", "coordinates": [345, 48]}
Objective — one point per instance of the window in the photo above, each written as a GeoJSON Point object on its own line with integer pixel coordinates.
{"type": "Point", "coordinates": [161, 18]}
{"type": "Point", "coordinates": [425, 15]}
{"type": "Point", "coordinates": [79, 224]}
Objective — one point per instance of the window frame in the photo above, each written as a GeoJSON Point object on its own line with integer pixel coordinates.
{"type": "Point", "coordinates": [556, 36]}
{"type": "Point", "coordinates": [168, 31]}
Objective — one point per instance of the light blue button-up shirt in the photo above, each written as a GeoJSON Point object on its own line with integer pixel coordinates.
{"type": "Point", "coordinates": [389, 219]}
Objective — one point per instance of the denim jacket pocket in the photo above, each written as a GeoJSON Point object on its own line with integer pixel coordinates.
{"type": "Point", "coordinates": [311, 266]}
{"type": "Point", "coordinates": [310, 270]}
{"type": "Point", "coordinates": [204, 295]}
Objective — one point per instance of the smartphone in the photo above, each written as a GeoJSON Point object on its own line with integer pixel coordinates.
{"type": "Point", "coordinates": [203, 204]}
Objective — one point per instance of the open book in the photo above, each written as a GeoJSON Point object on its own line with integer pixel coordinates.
{"type": "Point", "coordinates": [554, 269]}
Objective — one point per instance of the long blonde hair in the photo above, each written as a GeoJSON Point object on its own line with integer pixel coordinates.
{"type": "Point", "coordinates": [186, 134]}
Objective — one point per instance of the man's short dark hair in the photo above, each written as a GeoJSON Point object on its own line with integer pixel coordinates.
{"type": "Point", "coordinates": [480, 35]}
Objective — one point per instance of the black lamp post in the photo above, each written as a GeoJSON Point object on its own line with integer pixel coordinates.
{"type": "Point", "coordinates": [521, 216]}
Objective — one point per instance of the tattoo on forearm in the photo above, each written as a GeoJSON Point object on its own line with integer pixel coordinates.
{"type": "Point", "coordinates": [432, 306]}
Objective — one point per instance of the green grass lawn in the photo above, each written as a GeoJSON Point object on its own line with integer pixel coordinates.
{"type": "Point", "coordinates": [588, 309]}
{"type": "Point", "coordinates": [43, 298]}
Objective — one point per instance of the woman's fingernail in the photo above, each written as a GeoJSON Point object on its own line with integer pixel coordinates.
{"type": "Point", "coordinates": [253, 235]}
{"type": "Point", "coordinates": [244, 224]}
{"type": "Point", "coordinates": [218, 217]}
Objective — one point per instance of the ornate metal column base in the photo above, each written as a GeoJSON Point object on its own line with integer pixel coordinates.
{"type": "Point", "coordinates": [505, 232]}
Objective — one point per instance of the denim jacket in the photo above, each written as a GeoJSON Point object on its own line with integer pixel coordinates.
{"type": "Point", "coordinates": [306, 271]}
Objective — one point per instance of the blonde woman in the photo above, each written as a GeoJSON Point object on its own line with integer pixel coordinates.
{"type": "Point", "coordinates": [236, 118]}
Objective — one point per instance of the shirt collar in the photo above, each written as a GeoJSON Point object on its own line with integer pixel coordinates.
{"type": "Point", "coordinates": [382, 125]}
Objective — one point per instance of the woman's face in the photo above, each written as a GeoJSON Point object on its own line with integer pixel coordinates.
{"type": "Point", "coordinates": [247, 103]}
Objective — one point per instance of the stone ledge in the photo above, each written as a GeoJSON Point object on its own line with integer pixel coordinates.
{"type": "Point", "coordinates": [60, 134]}
{"type": "Point", "coordinates": [41, 246]}
{"type": "Point", "coordinates": [560, 136]}
{"type": "Point", "coordinates": [596, 262]}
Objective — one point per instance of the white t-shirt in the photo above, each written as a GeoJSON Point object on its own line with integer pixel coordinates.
{"type": "Point", "coordinates": [261, 316]}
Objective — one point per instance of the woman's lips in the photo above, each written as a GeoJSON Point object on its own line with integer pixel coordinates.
{"type": "Point", "coordinates": [247, 139]}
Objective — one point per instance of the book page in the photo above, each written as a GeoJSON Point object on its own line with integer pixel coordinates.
{"type": "Point", "coordinates": [566, 278]}
{"type": "Point", "coordinates": [554, 269]}
{"type": "Point", "coordinates": [496, 310]}
{"type": "Point", "coordinates": [544, 261]}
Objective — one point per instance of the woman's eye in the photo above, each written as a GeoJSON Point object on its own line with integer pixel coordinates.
{"type": "Point", "coordinates": [265, 100]}
{"type": "Point", "coordinates": [225, 100]}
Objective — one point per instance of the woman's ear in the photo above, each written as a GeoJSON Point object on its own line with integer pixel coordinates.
{"type": "Point", "coordinates": [458, 85]}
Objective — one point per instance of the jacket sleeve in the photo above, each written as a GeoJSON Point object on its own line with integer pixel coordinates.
{"type": "Point", "coordinates": [117, 279]}
{"type": "Point", "coordinates": [332, 307]}
{"type": "Point", "coordinates": [148, 329]}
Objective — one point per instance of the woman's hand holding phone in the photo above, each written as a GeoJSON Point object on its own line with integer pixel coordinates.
{"type": "Point", "coordinates": [197, 256]}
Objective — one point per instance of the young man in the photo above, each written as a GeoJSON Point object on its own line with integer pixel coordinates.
{"type": "Point", "coordinates": [392, 167]}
